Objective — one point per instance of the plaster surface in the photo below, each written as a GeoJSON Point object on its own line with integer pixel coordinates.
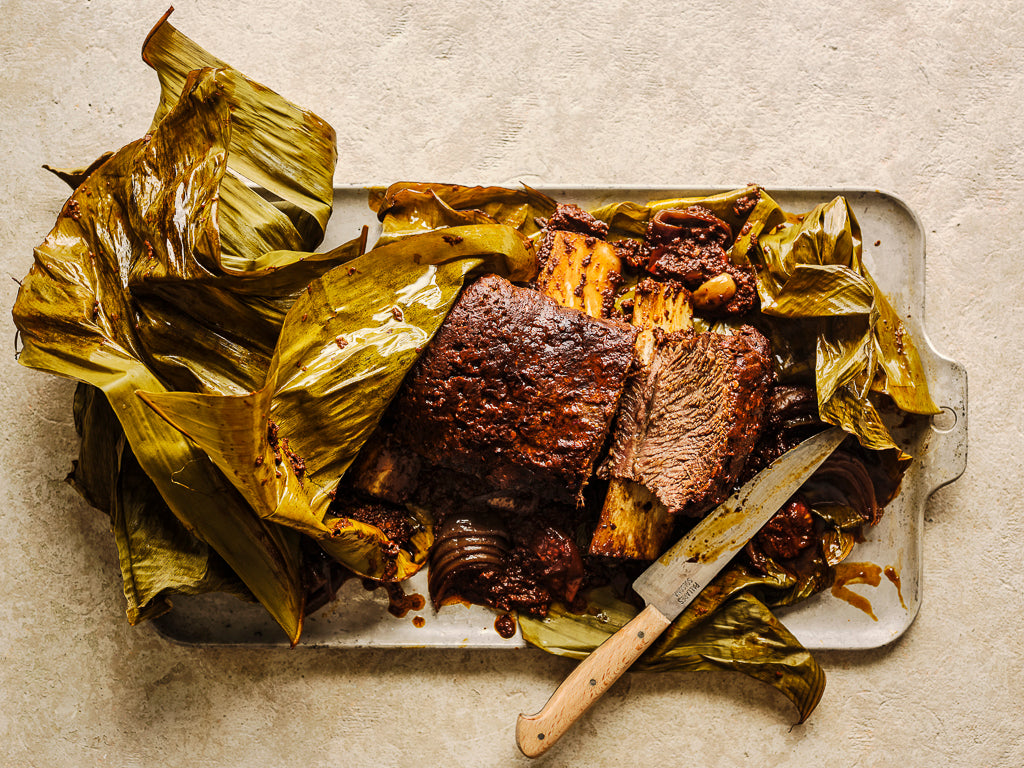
{"type": "Point", "coordinates": [921, 99]}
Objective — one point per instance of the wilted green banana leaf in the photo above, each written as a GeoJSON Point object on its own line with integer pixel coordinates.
{"type": "Point", "coordinates": [75, 176]}
{"type": "Point", "coordinates": [863, 345]}
{"type": "Point", "coordinates": [287, 151]}
{"type": "Point", "coordinates": [408, 208]}
{"type": "Point", "coordinates": [76, 313]}
{"type": "Point", "coordinates": [159, 558]}
{"type": "Point", "coordinates": [345, 347]}
{"type": "Point", "coordinates": [134, 287]}
{"type": "Point", "coordinates": [741, 635]}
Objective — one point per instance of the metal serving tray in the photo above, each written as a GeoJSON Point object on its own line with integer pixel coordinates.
{"type": "Point", "coordinates": [894, 251]}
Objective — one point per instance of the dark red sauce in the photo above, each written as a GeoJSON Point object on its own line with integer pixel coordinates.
{"type": "Point", "coordinates": [505, 625]}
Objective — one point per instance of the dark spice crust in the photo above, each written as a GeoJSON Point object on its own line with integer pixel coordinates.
{"type": "Point", "coordinates": [517, 559]}
{"type": "Point", "coordinates": [571, 218]}
{"type": "Point", "coordinates": [789, 533]}
{"type": "Point", "coordinates": [632, 252]}
{"type": "Point", "coordinates": [515, 390]}
{"type": "Point", "coordinates": [392, 520]}
{"type": "Point", "coordinates": [744, 205]}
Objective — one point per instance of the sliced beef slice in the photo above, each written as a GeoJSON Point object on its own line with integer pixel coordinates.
{"type": "Point", "coordinates": [689, 421]}
{"type": "Point", "coordinates": [516, 390]}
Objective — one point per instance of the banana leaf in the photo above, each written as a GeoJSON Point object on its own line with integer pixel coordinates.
{"type": "Point", "coordinates": [286, 151]}
{"type": "Point", "coordinates": [344, 348]}
{"type": "Point", "coordinates": [407, 208]}
{"type": "Point", "coordinates": [75, 176]}
{"type": "Point", "coordinates": [741, 635]}
{"type": "Point", "coordinates": [158, 556]}
{"type": "Point", "coordinates": [165, 270]}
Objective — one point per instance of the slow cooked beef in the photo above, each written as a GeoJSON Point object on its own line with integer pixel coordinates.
{"type": "Point", "coordinates": [515, 390]}
{"type": "Point", "coordinates": [688, 423]}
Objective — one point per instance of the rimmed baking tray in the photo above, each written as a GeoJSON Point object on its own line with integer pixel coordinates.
{"type": "Point", "coordinates": [894, 252]}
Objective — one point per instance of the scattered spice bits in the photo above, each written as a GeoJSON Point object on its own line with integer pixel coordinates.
{"type": "Point", "coordinates": [297, 462]}
{"type": "Point", "coordinates": [283, 451]}
{"type": "Point", "coordinates": [899, 334]}
{"type": "Point", "coordinates": [396, 313]}
{"type": "Point", "coordinates": [631, 252]}
{"type": "Point", "coordinates": [73, 210]}
{"type": "Point", "coordinates": [744, 205]}
{"type": "Point", "coordinates": [272, 439]}
{"type": "Point", "coordinates": [341, 341]}
{"type": "Point", "coordinates": [352, 271]}
{"type": "Point", "coordinates": [878, 243]}
{"type": "Point", "coordinates": [451, 239]}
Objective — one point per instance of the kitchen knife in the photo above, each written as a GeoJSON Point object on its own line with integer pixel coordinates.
{"type": "Point", "coordinates": [672, 582]}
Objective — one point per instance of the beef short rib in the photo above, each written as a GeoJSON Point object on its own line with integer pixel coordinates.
{"type": "Point", "coordinates": [689, 421]}
{"type": "Point", "coordinates": [515, 390]}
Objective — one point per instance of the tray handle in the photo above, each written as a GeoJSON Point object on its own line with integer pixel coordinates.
{"type": "Point", "coordinates": [945, 457]}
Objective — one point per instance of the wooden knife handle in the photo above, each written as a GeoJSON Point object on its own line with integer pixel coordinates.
{"type": "Point", "coordinates": [585, 684]}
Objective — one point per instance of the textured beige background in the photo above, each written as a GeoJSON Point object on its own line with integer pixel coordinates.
{"type": "Point", "coordinates": [918, 98]}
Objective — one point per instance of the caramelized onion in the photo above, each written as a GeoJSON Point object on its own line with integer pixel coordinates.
{"type": "Point", "coordinates": [670, 224]}
{"type": "Point", "coordinates": [464, 545]}
{"type": "Point", "coordinates": [843, 478]}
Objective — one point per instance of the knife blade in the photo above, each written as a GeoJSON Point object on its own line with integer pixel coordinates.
{"type": "Point", "coordinates": [671, 583]}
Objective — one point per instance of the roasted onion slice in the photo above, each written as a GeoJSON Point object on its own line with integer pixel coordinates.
{"type": "Point", "coordinates": [696, 221]}
{"type": "Point", "coordinates": [465, 544]}
{"type": "Point", "coordinates": [843, 478]}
